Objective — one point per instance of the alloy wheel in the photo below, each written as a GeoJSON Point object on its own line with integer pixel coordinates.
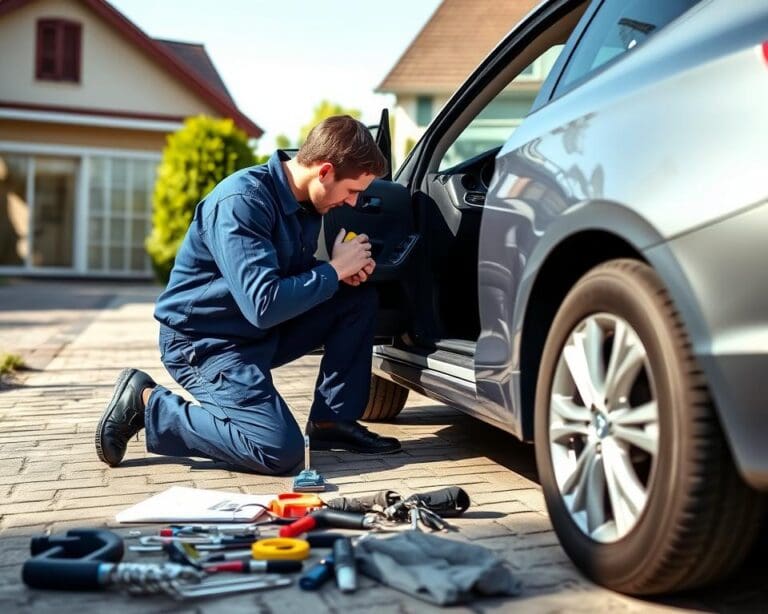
{"type": "Point", "coordinates": [604, 427]}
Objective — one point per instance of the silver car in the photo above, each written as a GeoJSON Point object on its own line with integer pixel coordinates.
{"type": "Point", "coordinates": [597, 282]}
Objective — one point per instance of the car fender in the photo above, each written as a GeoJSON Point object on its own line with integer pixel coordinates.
{"type": "Point", "coordinates": [622, 233]}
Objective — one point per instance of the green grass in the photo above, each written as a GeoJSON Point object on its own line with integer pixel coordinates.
{"type": "Point", "coordinates": [10, 363]}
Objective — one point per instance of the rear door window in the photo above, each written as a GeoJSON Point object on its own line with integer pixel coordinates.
{"type": "Point", "coordinates": [617, 27]}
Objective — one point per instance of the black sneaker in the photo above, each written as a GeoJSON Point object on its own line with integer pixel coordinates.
{"type": "Point", "coordinates": [350, 436]}
{"type": "Point", "coordinates": [123, 417]}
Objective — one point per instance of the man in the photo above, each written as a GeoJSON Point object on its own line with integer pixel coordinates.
{"type": "Point", "coordinates": [246, 295]}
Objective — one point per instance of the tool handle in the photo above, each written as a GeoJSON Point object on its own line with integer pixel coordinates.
{"type": "Point", "coordinates": [255, 566]}
{"type": "Point", "coordinates": [317, 575]}
{"type": "Point", "coordinates": [324, 518]}
{"type": "Point", "coordinates": [340, 520]}
{"type": "Point", "coordinates": [322, 540]}
{"type": "Point", "coordinates": [279, 566]}
{"type": "Point", "coordinates": [344, 565]}
{"type": "Point", "coordinates": [81, 544]}
{"type": "Point", "coordinates": [62, 574]}
{"type": "Point", "coordinates": [302, 525]}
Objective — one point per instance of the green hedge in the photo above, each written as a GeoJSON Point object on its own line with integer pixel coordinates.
{"type": "Point", "coordinates": [196, 158]}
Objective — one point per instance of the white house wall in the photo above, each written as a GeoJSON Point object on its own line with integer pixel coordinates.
{"type": "Point", "coordinates": [407, 131]}
{"type": "Point", "coordinates": [115, 75]}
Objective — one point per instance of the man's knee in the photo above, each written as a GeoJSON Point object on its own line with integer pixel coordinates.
{"type": "Point", "coordinates": [281, 460]}
{"type": "Point", "coordinates": [277, 453]}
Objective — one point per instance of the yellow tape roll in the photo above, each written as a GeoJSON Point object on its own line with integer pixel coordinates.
{"type": "Point", "coordinates": [280, 548]}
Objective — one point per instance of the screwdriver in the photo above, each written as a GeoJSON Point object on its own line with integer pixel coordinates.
{"type": "Point", "coordinates": [250, 566]}
{"type": "Point", "coordinates": [327, 518]}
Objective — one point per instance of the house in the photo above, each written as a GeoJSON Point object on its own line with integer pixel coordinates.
{"type": "Point", "coordinates": [86, 102]}
{"type": "Point", "coordinates": [447, 49]}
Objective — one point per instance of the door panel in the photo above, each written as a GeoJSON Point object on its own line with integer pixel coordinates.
{"type": "Point", "coordinates": [384, 212]}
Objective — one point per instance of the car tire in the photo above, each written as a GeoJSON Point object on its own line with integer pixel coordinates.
{"type": "Point", "coordinates": [385, 401]}
{"type": "Point", "coordinates": [697, 519]}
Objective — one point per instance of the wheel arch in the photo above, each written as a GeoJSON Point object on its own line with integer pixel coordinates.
{"type": "Point", "coordinates": [568, 261]}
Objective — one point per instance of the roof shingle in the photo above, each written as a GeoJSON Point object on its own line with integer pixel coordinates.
{"type": "Point", "coordinates": [196, 58]}
{"type": "Point", "coordinates": [452, 43]}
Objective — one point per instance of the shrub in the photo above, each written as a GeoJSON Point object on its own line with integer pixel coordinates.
{"type": "Point", "coordinates": [195, 159]}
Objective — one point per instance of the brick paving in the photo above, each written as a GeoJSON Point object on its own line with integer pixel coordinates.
{"type": "Point", "coordinates": [78, 336]}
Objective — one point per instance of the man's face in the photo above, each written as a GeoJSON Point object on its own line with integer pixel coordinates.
{"type": "Point", "coordinates": [326, 192]}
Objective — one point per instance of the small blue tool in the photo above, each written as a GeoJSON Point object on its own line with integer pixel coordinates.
{"type": "Point", "coordinates": [308, 480]}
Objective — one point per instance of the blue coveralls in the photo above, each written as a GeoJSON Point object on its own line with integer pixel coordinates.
{"type": "Point", "coordinates": [246, 295]}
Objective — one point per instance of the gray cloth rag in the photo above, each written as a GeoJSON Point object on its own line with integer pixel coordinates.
{"type": "Point", "coordinates": [443, 571]}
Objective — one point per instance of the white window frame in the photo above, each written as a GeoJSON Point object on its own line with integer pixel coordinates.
{"type": "Point", "coordinates": [80, 232]}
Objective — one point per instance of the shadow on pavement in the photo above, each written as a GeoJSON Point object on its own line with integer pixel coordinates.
{"type": "Point", "coordinates": [44, 294]}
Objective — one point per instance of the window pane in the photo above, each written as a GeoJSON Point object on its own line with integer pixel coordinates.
{"type": "Point", "coordinates": [138, 259]}
{"type": "Point", "coordinates": [116, 258]}
{"type": "Point", "coordinates": [119, 184]}
{"type": "Point", "coordinates": [618, 26]}
{"type": "Point", "coordinates": [95, 258]}
{"type": "Point", "coordinates": [138, 232]}
{"type": "Point", "coordinates": [495, 123]}
{"type": "Point", "coordinates": [54, 216]}
{"type": "Point", "coordinates": [423, 110]}
{"type": "Point", "coordinates": [140, 188]}
{"type": "Point", "coordinates": [96, 183]}
{"type": "Point", "coordinates": [117, 230]}
{"type": "Point", "coordinates": [14, 210]}
{"type": "Point", "coordinates": [96, 230]}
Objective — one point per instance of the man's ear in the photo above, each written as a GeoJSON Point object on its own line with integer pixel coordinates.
{"type": "Point", "coordinates": [325, 171]}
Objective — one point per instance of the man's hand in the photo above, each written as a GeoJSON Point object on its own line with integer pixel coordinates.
{"type": "Point", "coordinates": [351, 257]}
{"type": "Point", "coordinates": [362, 275]}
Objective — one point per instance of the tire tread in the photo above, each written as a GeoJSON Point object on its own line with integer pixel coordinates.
{"type": "Point", "coordinates": [385, 401]}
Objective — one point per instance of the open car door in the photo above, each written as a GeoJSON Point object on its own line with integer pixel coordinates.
{"type": "Point", "coordinates": [384, 212]}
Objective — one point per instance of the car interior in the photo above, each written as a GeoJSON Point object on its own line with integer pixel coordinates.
{"type": "Point", "coordinates": [450, 203]}
{"type": "Point", "coordinates": [425, 229]}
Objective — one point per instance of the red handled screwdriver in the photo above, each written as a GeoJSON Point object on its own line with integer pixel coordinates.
{"type": "Point", "coordinates": [255, 567]}
{"type": "Point", "coordinates": [327, 518]}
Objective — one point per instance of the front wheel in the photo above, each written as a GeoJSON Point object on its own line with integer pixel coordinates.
{"type": "Point", "coordinates": [638, 479]}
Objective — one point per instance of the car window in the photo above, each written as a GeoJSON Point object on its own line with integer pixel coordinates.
{"type": "Point", "coordinates": [492, 126]}
{"type": "Point", "coordinates": [617, 27]}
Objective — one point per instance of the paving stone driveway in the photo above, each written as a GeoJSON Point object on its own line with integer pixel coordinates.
{"type": "Point", "coordinates": [77, 336]}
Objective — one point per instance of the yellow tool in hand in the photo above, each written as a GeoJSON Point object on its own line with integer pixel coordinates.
{"type": "Point", "coordinates": [280, 548]}
{"type": "Point", "coordinates": [349, 236]}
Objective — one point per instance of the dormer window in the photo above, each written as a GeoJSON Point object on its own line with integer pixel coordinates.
{"type": "Point", "coordinates": [58, 50]}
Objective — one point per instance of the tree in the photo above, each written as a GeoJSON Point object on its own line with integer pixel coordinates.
{"type": "Point", "coordinates": [195, 159]}
{"type": "Point", "coordinates": [282, 142]}
{"type": "Point", "coordinates": [325, 109]}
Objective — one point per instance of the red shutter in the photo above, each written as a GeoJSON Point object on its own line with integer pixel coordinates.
{"type": "Point", "coordinates": [70, 56]}
{"type": "Point", "coordinates": [47, 43]}
{"type": "Point", "coordinates": [58, 50]}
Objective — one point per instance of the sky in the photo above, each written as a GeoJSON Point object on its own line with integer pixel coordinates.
{"type": "Point", "coordinates": [279, 58]}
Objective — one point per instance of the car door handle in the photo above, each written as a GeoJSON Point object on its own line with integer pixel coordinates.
{"type": "Point", "coordinates": [370, 204]}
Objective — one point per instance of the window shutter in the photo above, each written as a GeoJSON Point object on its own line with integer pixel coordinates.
{"type": "Point", "coordinates": [46, 49]}
{"type": "Point", "coordinates": [58, 50]}
{"type": "Point", "coordinates": [70, 57]}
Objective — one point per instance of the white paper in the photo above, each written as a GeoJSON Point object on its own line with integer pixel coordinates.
{"type": "Point", "coordinates": [182, 504]}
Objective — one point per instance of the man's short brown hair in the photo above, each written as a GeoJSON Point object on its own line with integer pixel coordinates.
{"type": "Point", "coordinates": [347, 144]}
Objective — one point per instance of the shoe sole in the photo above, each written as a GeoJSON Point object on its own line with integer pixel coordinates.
{"type": "Point", "coordinates": [122, 382]}
{"type": "Point", "coordinates": [336, 447]}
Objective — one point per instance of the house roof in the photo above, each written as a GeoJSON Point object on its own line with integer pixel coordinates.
{"type": "Point", "coordinates": [197, 60]}
{"type": "Point", "coordinates": [188, 63]}
{"type": "Point", "coordinates": [452, 43]}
